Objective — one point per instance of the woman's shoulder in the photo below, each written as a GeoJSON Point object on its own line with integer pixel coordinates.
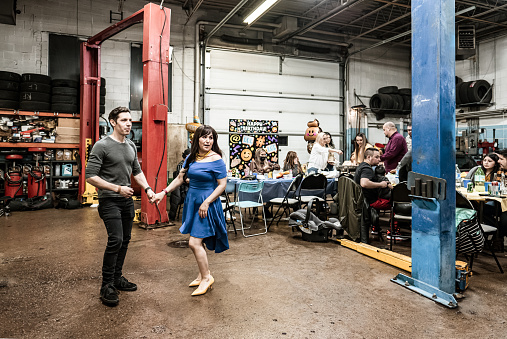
{"type": "Point", "coordinates": [215, 157]}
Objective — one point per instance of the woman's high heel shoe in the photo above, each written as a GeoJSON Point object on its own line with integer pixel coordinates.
{"type": "Point", "coordinates": [205, 288]}
{"type": "Point", "coordinates": [197, 281]}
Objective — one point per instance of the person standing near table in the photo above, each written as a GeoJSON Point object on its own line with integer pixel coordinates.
{"type": "Point", "coordinates": [111, 162]}
{"type": "Point", "coordinates": [260, 164]}
{"type": "Point", "coordinates": [320, 153]}
{"type": "Point", "coordinates": [408, 138]}
{"type": "Point", "coordinates": [395, 148]}
{"type": "Point", "coordinates": [203, 216]}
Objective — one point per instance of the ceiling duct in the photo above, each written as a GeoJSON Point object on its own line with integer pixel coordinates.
{"type": "Point", "coordinates": [287, 26]}
{"type": "Point", "coordinates": [242, 41]}
{"type": "Point", "coordinates": [313, 49]}
{"type": "Point", "coordinates": [8, 12]}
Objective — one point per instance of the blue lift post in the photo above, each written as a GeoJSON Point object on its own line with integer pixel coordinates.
{"type": "Point", "coordinates": [433, 124]}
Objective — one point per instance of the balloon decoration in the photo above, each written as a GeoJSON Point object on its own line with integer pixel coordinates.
{"type": "Point", "coordinates": [311, 134]}
{"type": "Point", "coordinates": [192, 127]}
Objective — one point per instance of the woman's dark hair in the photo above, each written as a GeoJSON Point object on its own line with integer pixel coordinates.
{"type": "Point", "coordinates": [331, 143]}
{"type": "Point", "coordinates": [202, 131]}
{"type": "Point", "coordinates": [289, 159]}
{"type": "Point", "coordinates": [356, 146]}
{"type": "Point", "coordinates": [115, 112]}
{"type": "Point", "coordinates": [493, 157]}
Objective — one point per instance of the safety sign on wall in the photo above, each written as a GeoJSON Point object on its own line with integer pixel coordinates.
{"type": "Point", "coordinates": [245, 136]}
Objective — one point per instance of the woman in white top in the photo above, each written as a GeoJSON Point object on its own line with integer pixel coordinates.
{"type": "Point", "coordinates": [320, 153]}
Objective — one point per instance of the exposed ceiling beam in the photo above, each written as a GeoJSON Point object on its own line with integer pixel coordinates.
{"type": "Point", "coordinates": [380, 26]}
{"type": "Point", "coordinates": [196, 7]}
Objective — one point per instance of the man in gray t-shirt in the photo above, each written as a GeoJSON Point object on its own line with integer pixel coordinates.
{"type": "Point", "coordinates": [112, 161]}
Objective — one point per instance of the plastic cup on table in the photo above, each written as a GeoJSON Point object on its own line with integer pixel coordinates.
{"type": "Point", "coordinates": [465, 182]}
{"type": "Point", "coordinates": [486, 186]}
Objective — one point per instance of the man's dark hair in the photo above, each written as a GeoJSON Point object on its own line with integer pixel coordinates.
{"type": "Point", "coordinates": [502, 152]}
{"type": "Point", "coordinates": [185, 153]}
{"type": "Point", "coordinates": [115, 112]}
{"type": "Point", "coordinates": [369, 152]}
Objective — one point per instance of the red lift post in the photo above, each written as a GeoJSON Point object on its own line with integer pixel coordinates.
{"type": "Point", "coordinates": [156, 33]}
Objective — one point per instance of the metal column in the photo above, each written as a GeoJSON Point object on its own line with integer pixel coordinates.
{"type": "Point", "coordinates": [433, 123]}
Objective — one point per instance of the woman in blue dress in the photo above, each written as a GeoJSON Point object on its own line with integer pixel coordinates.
{"type": "Point", "coordinates": [203, 216]}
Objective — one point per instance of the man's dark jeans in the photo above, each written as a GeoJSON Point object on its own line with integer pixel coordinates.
{"type": "Point", "coordinates": [118, 215]}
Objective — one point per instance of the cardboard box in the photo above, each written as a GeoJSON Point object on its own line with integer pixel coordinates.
{"type": "Point", "coordinates": [67, 139]}
{"type": "Point", "coordinates": [68, 122]}
{"type": "Point", "coordinates": [67, 131]}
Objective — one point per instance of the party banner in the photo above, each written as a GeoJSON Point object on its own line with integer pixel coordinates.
{"type": "Point", "coordinates": [245, 136]}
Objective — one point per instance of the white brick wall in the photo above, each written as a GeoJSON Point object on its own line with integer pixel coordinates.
{"type": "Point", "coordinates": [24, 47]}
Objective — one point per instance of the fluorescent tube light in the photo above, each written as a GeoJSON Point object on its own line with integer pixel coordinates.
{"type": "Point", "coordinates": [259, 11]}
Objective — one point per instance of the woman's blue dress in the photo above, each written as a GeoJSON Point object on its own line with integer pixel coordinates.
{"type": "Point", "coordinates": [203, 181]}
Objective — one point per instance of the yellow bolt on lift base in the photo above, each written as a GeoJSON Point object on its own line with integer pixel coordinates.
{"type": "Point", "coordinates": [137, 217]}
{"type": "Point", "coordinates": [90, 195]}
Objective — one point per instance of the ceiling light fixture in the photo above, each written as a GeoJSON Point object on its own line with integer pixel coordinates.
{"type": "Point", "coordinates": [264, 7]}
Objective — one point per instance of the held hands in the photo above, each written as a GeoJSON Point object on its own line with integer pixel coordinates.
{"type": "Point", "coordinates": [203, 209]}
{"type": "Point", "coordinates": [150, 194]}
{"type": "Point", "coordinates": [156, 197]}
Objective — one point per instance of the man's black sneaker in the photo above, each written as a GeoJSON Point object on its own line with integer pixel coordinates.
{"type": "Point", "coordinates": [109, 295]}
{"type": "Point", "coordinates": [124, 285]}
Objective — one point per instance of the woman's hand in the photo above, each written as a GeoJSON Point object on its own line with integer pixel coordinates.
{"type": "Point", "coordinates": [157, 197]}
{"type": "Point", "coordinates": [203, 209]}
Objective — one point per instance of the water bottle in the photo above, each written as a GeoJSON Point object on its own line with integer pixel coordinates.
{"type": "Point", "coordinates": [458, 177]}
{"type": "Point", "coordinates": [479, 178]}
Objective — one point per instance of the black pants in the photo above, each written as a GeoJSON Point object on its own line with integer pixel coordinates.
{"type": "Point", "coordinates": [118, 215]}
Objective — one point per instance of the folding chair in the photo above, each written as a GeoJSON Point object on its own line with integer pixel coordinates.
{"type": "Point", "coordinates": [488, 231]}
{"type": "Point", "coordinates": [313, 183]}
{"type": "Point", "coordinates": [401, 209]}
{"type": "Point", "coordinates": [250, 195]}
{"type": "Point", "coordinates": [288, 201]}
{"type": "Point", "coordinates": [227, 205]}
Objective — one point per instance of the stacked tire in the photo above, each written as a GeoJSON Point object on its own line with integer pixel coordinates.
{"type": "Point", "coordinates": [65, 98]}
{"type": "Point", "coordinates": [392, 100]}
{"type": "Point", "coordinates": [35, 92]}
{"type": "Point", "coordinates": [476, 91]}
{"type": "Point", "coordinates": [9, 90]}
{"type": "Point", "coordinates": [102, 96]}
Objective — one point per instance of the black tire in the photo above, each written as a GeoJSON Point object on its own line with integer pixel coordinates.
{"type": "Point", "coordinates": [32, 77]}
{"type": "Point", "coordinates": [9, 104]}
{"type": "Point", "coordinates": [65, 108]}
{"type": "Point", "coordinates": [405, 91]}
{"type": "Point", "coordinates": [102, 82]}
{"type": "Point", "coordinates": [407, 104]}
{"type": "Point", "coordinates": [10, 76]}
{"type": "Point", "coordinates": [65, 99]}
{"type": "Point", "coordinates": [458, 98]}
{"type": "Point", "coordinates": [463, 90]}
{"type": "Point", "coordinates": [9, 85]}
{"type": "Point", "coordinates": [381, 103]}
{"type": "Point", "coordinates": [34, 106]}
{"type": "Point", "coordinates": [399, 103]}
{"type": "Point", "coordinates": [102, 109]}
{"type": "Point", "coordinates": [35, 87]}
{"type": "Point", "coordinates": [103, 91]}
{"type": "Point", "coordinates": [102, 100]}
{"type": "Point", "coordinates": [380, 115]}
{"type": "Point", "coordinates": [65, 91]}
{"type": "Point", "coordinates": [34, 96]}
{"type": "Point", "coordinates": [388, 90]}
{"type": "Point", "coordinates": [65, 83]}
{"type": "Point", "coordinates": [478, 89]}
{"type": "Point", "coordinates": [458, 80]}
{"type": "Point", "coordinates": [9, 95]}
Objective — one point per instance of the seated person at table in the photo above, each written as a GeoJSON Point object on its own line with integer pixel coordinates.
{"type": "Point", "coordinates": [330, 157]}
{"type": "Point", "coordinates": [365, 177]}
{"type": "Point", "coordinates": [260, 164]}
{"type": "Point", "coordinates": [380, 175]}
{"type": "Point", "coordinates": [502, 159]}
{"type": "Point", "coordinates": [360, 145]}
{"type": "Point", "coordinates": [291, 162]}
{"type": "Point", "coordinates": [490, 166]}
{"type": "Point", "coordinates": [320, 153]}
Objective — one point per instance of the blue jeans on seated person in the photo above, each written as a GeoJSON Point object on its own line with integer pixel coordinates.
{"type": "Point", "coordinates": [312, 170]}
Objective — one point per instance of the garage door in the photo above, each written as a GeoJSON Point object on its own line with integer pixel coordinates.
{"type": "Point", "coordinates": [264, 87]}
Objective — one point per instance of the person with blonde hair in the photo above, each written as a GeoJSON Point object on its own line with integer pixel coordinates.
{"type": "Point", "coordinates": [291, 162]}
{"type": "Point", "coordinates": [320, 153]}
{"type": "Point", "coordinates": [360, 145]}
{"type": "Point", "coordinates": [260, 164]}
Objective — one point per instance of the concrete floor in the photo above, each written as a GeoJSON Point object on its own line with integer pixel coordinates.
{"type": "Point", "coordinates": [269, 286]}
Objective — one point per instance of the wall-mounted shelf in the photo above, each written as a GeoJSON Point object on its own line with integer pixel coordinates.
{"type": "Point", "coordinates": [37, 144]}
{"type": "Point", "coordinates": [42, 114]}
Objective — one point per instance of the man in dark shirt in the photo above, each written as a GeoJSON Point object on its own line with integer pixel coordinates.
{"type": "Point", "coordinates": [395, 148]}
{"type": "Point", "coordinates": [111, 162]}
{"type": "Point", "coordinates": [365, 177]}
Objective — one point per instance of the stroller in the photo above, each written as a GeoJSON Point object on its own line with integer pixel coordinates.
{"type": "Point", "coordinates": [312, 228]}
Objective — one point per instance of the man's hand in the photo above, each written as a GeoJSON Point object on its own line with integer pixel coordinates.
{"type": "Point", "coordinates": [150, 194]}
{"type": "Point", "coordinates": [126, 191]}
{"type": "Point", "coordinates": [393, 171]}
{"type": "Point", "coordinates": [390, 186]}
{"type": "Point", "coordinates": [157, 197]}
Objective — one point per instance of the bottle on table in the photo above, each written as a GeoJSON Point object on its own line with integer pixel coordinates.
{"type": "Point", "coordinates": [458, 177]}
{"type": "Point", "coordinates": [479, 178]}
